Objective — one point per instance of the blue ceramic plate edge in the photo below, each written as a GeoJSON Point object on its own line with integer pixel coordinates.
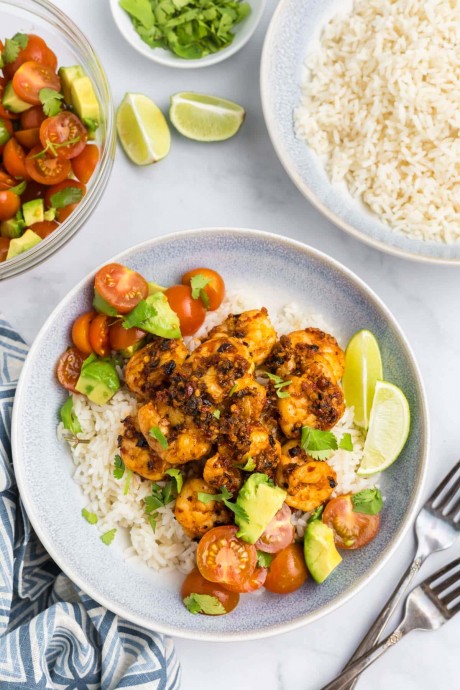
{"type": "Point", "coordinates": [275, 629]}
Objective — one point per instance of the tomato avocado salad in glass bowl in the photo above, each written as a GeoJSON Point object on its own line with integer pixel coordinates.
{"type": "Point", "coordinates": [56, 132]}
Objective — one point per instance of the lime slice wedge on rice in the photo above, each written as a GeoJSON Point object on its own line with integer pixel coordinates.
{"type": "Point", "coordinates": [142, 129]}
{"type": "Point", "coordinates": [388, 429]}
{"type": "Point", "coordinates": [205, 118]}
{"type": "Point", "coordinates": [363, 368]}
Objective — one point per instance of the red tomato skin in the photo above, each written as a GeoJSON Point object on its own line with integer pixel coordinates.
{"type": "Point", "coordinates": [4, 246]}
{"type": "Point", "coordinates": [50, 191]}
{"type": "Point", "coordinates": [30, 78]}
{"type": "Point", "coordinates": [195, 583]}
{"type": "Point", "coordinates": [32, 118]}
{"type": "Point", "coordinates": [222, 557]}
{"type": "Point", "coordinates": [252, 584]}
{"type": "Point", "coordinates": [215, 289]}
{"type": "Point", "coordinates": [85, 163]}
{"type": "Point", "coordinates": [14, 160]}
{"type": "Point", "coordinates": [288, 571]}
{"type": "Point", "coordinates": [44, 228]}
{"type": "Point", "coordinates": [122, 338]}
{"type": "Point", "coordinates": [121, 287]}
{"type": "Point", "coordinates": [29, 138]}
{"type": "Point", "coordinates": [69, 368]}
{"type": "Point", "coordinates": [191, 312]}
{"type": "Point", "coordinates": [47, 171]}
{"type": "Point", "coordinates": [10, 204]}
{"type": "Point", "coordinates": [36, 50]}
{"type": "Point", "coordinates": [60, 129]}
{"type": "Point", "coordinates": [351, 530]}
{"type": "Point", "coordinates": [6, 181]}
{"type": "Point", "coordinates": [80, 332]}
{"type": "Point", "coordinates": [279, 533]}
{"type": "Point", "coordinates": [99, 335]}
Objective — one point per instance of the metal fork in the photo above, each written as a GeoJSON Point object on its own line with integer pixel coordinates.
{"type": "Point", "coordinates": [428, 607]}
{"type": "Point", "coordinates": [436, 528]}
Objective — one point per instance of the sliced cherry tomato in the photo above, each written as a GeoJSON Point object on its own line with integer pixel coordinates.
{"type": "Point", "coordinates": [31, 77]}
{"type": "Point", "coordinates": [191, 312]}
{"type": "Point", "coordinates": [63, 213]}
{"type": "Point", "coordinates": [10, 204]}
{"type": "Point", "coordinates": [99, 335]}
{"type": "Point", "coordinates": [65, 184]}
{"type": "Point", "coordinates": [14, 160]}
{"type": "Point", "coordinates": [4, 246]}
{"type": "Point", "coordinates": [287, 571]}
{"type": "Point", "coordinates": [33, 191]}
{"type": "Point", "coordinates": [85, 163]}
{"type": "Point", "coordinates": [80, 332]}
{"type": "Point", "coordinates": [69, 368]}
{"type": "Point", "coordinates": [44, 228]}
{"type": "Point", "coordinates": [214, 289]}
{"type": "Point", "coordinates": [252, 584]}
{"type": "Point", "coordinates": [122, 338]}
{"type": "Point", "coordinates": [32, 118]}
{"type": "Point", "coordinates": [222, 557]}
{"type": "Point", "coordinates": [351, 530]}
{"type": "Point", "coordinates": [279, 533]}
{"type": "Point", "coordinates": [28, 137]}
{"type": "Point", "coordinates": [64, 134]}
{"type": "Point", "coordinates": [6, 132]}
{"type": "Point", "coordinates": [46, 170]}
{"type": "Point", "coordinates": [121, 287]}
{"type": "Point", "coordinates": [195, 583]}
{"type": "Point", "coordinates": [6, 181]}
{"type": "Point", "coordinates": [36, 50]}
{"type": "Point", "coordinates": [4, 112]}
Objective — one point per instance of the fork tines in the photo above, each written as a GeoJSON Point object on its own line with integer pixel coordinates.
{"type": "Point", "coordinates": [444, 588]}
{"type": "Point", "coordinates": [442, 499]}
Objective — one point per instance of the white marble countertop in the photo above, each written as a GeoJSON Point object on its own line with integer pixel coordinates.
{"type": "Point", "coordinates": [241, 183]}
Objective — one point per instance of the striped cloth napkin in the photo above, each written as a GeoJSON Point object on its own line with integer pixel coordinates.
{"type": "Point", "coordinates": [51, 634]}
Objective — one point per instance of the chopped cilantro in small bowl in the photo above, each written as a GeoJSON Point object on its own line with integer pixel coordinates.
{"type": "Point", "coordinates": [187, 33]}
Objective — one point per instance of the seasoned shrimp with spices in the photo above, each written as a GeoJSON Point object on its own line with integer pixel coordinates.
{"type": "Point", "coordinates": [151, 367]}
{"type": "Point", "coordinates": [295, 354]}
{"type": "Point", "coordinates": [195, 516]}
{"type": "Point", "coordinates": [136, 453]}
{"type": "Point", "coordinates": [243, 440]}
{"type": "Point", "coordinates": [309, 483]}
{"type": "Point", "coordinates": [219, 471]}
{"type": "Point", "coordinates": [252, 327]}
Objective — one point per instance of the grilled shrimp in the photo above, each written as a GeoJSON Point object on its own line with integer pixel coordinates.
{"type": "Point", "coordinates": [309, 483]}
{"type": "Point", "coordinates": [219, 471]}
{"type": "Point", "coordinates": [314, 400]}
{"type": "Point", "coordinates": [151, 366]}
{"type": "Point", "coordinates": [295, 353]}
{"type": "Point", "coordinates": [254, 328]}
{"type": "Point", "coordinates": [248, 399]}
{"type": "Point", "coordinates": [185, 441]}
{"type": "Point", "coordinates": [241, 441]}
{"type": "Point", "coordinates": [196, 517]}
{"type": "Point", "coordinates": [136, 453]}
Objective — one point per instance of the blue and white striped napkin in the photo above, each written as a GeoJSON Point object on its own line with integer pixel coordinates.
{"type": "Point", "coordinates": [51, 634]}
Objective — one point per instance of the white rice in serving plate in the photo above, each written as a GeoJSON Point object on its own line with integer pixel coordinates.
{"type": "Point", "coordinates": [118, 505]}
{"type": "Point", "coordinates": [380, 105]}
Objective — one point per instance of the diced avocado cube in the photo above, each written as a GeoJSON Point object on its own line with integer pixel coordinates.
{"type": "Point", "coordinates": [98, 380]}
{"type": "Point", "coordinates": [321, 556]}
{"type": "Point", "coordinates": [12, 228]}
{"type": "Point", "coordinates": [50, 214]}
{"type": "Point", "coordinates": [261, 500]}
{"type": "Point", "coordinates": [67, 76]}
{"type": "Point", "coordinates": [33, 211]}
{"type": "Point", "coordinates": [22, 244]}
{"type": "Point", "coordinates": [84, 99]}
{"type": "Point", "coordinates": [12, 102]}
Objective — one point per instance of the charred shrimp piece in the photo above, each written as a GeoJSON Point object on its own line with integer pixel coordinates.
{"type": "Point", "coordinates": [297, 352]}
{"type": "Point", "coordinates": [196, 517]}
{"type": "Point", "coordinates": [252, 327]}
{"type": "Point", "coordinates": [136, 453]}
{"type": "Point", "coordinates": [153, 365]}
{"type": "Point", "coordinates": [309, 483]}
{"type": "Point", "coordinates": [247, 400]}
{"type": "Point", "coordinates": [219, 471]}
{"type": "Point", "coordinates": [171, 434]}
{"type": "Point", "coordinates": [242, 441]}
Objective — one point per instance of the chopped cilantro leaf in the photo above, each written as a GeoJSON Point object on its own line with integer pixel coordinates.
{"type": "Point", "coordinates": [89, 517]}
{"type": "Point", "coordinates": [367, 501]}
{"type": "Point", "coordinates": [316, 514]}
{"type": "Point", "coordinates": [346, 443]}
{"type": "Point", "coordinates": [318, 444]}
{"type": "Point", "coordinates": [153, 521]}
{"type": "Point", "coordinates": [232, 390]}
{"type": "Point", "coordinates": [108, 537]}
{"type": "Point", "coordinates": [157, 434]}
{"type": "Point", "coordinates": [177, 475]}
{"type": "Point", "coordinates": [205, 299]}
{"type": "Point", "coordinates": [13, 46]}
{"type": "Point", "coordinates": [19, 188]}
{"type": "Point", "coordinates": [129, 474]}
{"type": "Point", "coordinates": [224, 497]}
{"type": "Point", "coordinates": [66, 196]}
{"type": "Point", "coordinates": [69, 418]}
{"type": "Point", "coordinates": [249, 465]}
{"type": "Point", "coordinates": [264, 559]}
{"type": "Point", "coordinates": [204, 603]}
{"type": "Point", "coordinates": [51, 101]}
{"type": "Point", "coordinates": [216, 414]}
{"type": "Point", "coordinates": [197, 283]}
{"type": "Point", "coordinates": [118, 467]}
{"type": "Point", "coordinates": [279, 384]}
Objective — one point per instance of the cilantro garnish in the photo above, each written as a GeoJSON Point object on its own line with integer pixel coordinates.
{"type": "Point", "coordinates": [89, 517]}
{"type": "Point", "coordinates": [19, 188]}
{"type": "Point", "coordinates": [279, 384]}
{"type": "Point", "coordinates": [13, 46]}
{"type": "Point", "coordinates": [161, 496]}
{"type": "Point", "coordinates": [66, 196]}
{"type": "Point", "coordinates": [198, 283]}
{"type": "Point", "coordinates": [177, 475]}
{"type": "Point", "coordinates": [108, 537]}
{"type": "Point", "coordinates": [264, 559]}
{"type": "Point", "coordinates": [225, 497]}
{"type": "Point", "coordinates": [232, 390]}
{"type": "Point", "coordinates": [216, 414]}
{"type": "Point", "coordinates": [118, 467]}
{"type": "Point", "coordinates": [69, 418]}
{"type": "Point", "coordinates": [204, 603]}
{"type": "Point", "coordinates": [346, 442]}
{"type": "Point", "coordinates": [316, 514]}
{"type": "Point", "coordinates": [51, 101]}
{"type": "Point", "coordinates": [157, 434]}
{"type": "Point", "coordinates": [249, 465]}
{"type": "Point", "coordinates": [367, 501]}
{"type": "Point", "coordinates": [129, 474]}
{"type": "Point", "coordinates": [90, 124]}
{"type": "Point", "coordinates": [318, 444]}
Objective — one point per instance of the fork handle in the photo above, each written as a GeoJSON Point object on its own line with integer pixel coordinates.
{"type": "Point", "coordinates": [375, 631]}
{"type": "Point", "coordinates": [342, 682]}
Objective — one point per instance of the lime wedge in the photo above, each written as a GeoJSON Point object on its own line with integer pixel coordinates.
{"type": "Point", "coordinates": [143, 130]}
{"type": "Point", "coordinates": [363, 367]}
{"type": "Point", "coordinates": [205, 118]}
{"type": "Point", "coordinates": [388, 429]}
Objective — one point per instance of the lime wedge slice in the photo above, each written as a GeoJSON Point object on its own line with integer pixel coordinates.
{"type": "Point", "coordinates": [205, 118]}
{"type": "Point", "coordinates": [363, 367]}
{"type": "Point", "coordinates": [388, 429]}
{"type": "Point", "coordinates": [143, 130]}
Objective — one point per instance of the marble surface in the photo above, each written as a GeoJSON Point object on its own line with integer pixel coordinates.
{"type": "Point", "coordinates": [241, 183]}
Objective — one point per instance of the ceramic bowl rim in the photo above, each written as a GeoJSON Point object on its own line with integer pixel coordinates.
{"type": "Point", "coordinates": [273, 629]}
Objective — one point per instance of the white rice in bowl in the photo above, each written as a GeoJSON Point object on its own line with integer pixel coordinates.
{"type": "Point", "coordinates": [119, 503]}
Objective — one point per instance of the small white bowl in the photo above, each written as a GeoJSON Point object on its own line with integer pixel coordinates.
{"type": "Point", "coordinates": [243, 33]}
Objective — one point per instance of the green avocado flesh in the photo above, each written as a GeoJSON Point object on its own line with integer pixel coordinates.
{"type": "Point", "coordinates": [261, 500]}
{"type": "Point", "coordinates": [321, 556]}
{"type": "Point", "coordinates": [98, 380]}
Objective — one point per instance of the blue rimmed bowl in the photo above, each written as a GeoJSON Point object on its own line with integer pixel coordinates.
{"type": "Point", "coordinates": [247, 259]}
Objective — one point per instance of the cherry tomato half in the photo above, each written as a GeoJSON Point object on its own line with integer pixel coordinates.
{"type": "Point", "coordinates": [46, 170]}
{"type": "Point", "coordinates": [65, 184]}
{"type": "Point", "coordinates": [32, 118]}
{"type": "Point", "coordinates": [6, 181]}
{"type": "Point", "coordinates": [10, 204]}
{"type": "Point", "coordinates": [279, 533]}
{"type": "Point", "coordinates": [63, 133]}
{"type": "Point", "coordinates": [30, 78]}
{"type": "Point", "coordinates": [222, 557]}
{"type": "Point", "coordinates": [195, 583]}
{"type": "Point", "coordinates": [351, 530]}
{"type": "Point", "coordinates": [121, 287]}
{"type": "Point", "coordinates": [252, 584]}
{"type": "Point", "coordinates": [85, 163]}
{"type": "Point", "coordinates": [215, 289]}
{"type": "Point", "coordinates": [80, 332]}
{"type": "Point", "coordinates": [36, 50]}
{"type": "Point", "coordinates": [14, 160]}
{"type": "Point", "coordinates": [287, 571]}
{"type": "Point", "coordinates": [4, 246]}
{"type": "Point", "coordinates": [122, 338]}
{"type": "Point", "coordinates": [44, 228]}
{"type": "Point", "coordinates": [69, 368]}
{"type": "Point", "coordinates": [99, 335]}
{"type": "Point", "coordinates": [191, 312]}
{"type": "Point", "coordinates": [28, 137]}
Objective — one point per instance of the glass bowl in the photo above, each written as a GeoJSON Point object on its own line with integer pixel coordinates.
{"type": "Point", "coordinates": [71, 48]}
